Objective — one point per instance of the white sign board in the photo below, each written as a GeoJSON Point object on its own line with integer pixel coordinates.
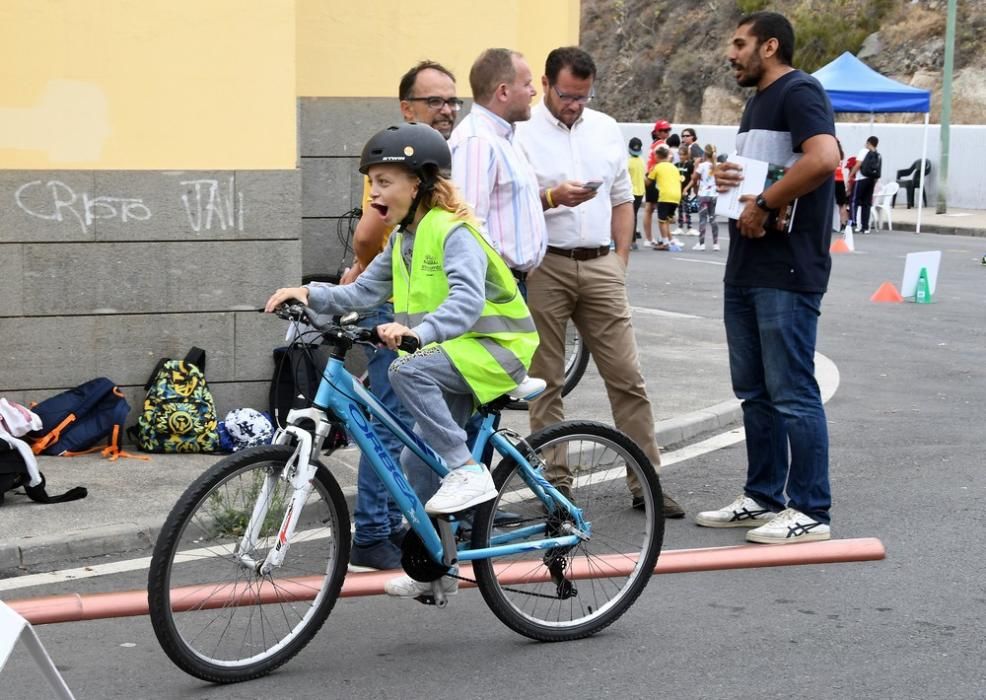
{"type": "Point", "coordinates": [928, 259]}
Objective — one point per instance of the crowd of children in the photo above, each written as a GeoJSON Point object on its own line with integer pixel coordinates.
{"type": "Point", "coordinates": [677, 181]}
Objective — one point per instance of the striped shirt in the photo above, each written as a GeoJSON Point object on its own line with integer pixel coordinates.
{"type": "Point", "coordinates": [499, 183]}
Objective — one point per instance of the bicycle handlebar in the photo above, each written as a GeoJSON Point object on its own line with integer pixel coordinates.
{"type": "Point", "coordinates": [335, 329]}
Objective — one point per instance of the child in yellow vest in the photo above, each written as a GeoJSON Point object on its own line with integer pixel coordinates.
{"type": "Point", "coordinates": [454, 294]}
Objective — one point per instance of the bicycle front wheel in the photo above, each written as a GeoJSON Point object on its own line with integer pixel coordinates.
{"type": "Point", "coordinates": [572, 592]}
{"type": "Point", "coordinates": [215, 616]}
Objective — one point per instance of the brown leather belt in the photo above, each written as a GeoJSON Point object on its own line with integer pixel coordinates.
{"type": "Point", "coordinates": [580, 253]}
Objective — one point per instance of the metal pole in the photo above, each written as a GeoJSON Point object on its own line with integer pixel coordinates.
{"type": "Point", "coordinates": [946, 109]}
{"type": "Point", "coordinates": [924, 157]}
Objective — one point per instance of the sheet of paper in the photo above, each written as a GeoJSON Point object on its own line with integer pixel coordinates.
{"type": "Point", "coordinates": [758, 175]}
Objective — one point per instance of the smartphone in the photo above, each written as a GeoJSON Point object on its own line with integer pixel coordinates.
{"type": "Point", "coordinates": [592, 185]}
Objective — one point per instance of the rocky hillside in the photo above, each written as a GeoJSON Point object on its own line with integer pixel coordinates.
{"type": "Point", "coordinates": [665, 58]}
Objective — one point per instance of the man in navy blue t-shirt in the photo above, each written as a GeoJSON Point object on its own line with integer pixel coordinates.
{"type": "Point", "coordinates": [776, 273]}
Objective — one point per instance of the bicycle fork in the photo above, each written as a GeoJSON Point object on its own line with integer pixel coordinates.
{"type": "Point", "coordinates": [299, 471]}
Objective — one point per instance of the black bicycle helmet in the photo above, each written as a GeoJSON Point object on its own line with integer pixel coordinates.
{"type": "Point", "coordinates": [416, 146]}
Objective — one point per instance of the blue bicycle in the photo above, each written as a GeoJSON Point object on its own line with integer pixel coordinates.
{"type": "Point", "coordinates": [251, 559]}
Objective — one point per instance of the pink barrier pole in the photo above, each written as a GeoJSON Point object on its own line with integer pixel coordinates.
{"type": "Point", "coordinates": [96, 606]}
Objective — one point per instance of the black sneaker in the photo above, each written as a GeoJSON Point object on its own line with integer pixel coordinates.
{"type": "Point", "coordinates": [671, 507]}
{"type": "Point", "coordinates": [377, 556]}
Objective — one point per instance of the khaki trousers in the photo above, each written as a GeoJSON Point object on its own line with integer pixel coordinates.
{"type": "Point", "coordinates": [593, 294]}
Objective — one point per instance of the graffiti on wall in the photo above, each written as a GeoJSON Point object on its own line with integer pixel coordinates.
{"type": "Point", "coordinates": [209, 205]}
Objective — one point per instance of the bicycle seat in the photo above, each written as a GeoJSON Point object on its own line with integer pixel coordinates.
{"type": "Point", "coordinates": [528, 389]}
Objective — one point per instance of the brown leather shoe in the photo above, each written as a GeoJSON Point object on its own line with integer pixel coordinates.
{"type": "Point", "coordinates": [670, 506]}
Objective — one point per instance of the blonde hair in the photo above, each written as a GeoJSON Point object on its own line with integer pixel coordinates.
{"type": "Point", "coordinates": [445, 195]}
{"type": "Point", "coordinates": [710, 152]}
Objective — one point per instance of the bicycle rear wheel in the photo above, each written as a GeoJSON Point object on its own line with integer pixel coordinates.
{"type": "Point", "coordinates": [568, 593]}
{"type": "Point", "coordinates": [215, 616]}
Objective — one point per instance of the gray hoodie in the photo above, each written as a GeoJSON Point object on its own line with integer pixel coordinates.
{"type": "Point", "coordinates": [465, 267]}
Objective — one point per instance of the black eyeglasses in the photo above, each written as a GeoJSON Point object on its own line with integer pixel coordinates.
{"type": "Point", "coordinates": [578, 99]}
{"type": "Point", "coordinates": [454, 103]}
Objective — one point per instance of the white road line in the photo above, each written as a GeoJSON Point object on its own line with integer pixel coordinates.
{"type": "Point", "coordinates": [141, 563]}
{"type": "Point", "coordinates": [704, 262]}
{"type": "Point", "coordinates": [645, 311]}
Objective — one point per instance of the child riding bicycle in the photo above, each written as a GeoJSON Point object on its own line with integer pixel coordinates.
{"type": "Point", "coordinates": [451, 291]}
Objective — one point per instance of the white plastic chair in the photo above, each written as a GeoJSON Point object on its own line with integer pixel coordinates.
{"type": "Point", "coordinates": [882, 205]}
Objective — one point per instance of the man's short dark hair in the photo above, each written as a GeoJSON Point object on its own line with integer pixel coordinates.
{"type": "Point", "coordinates": [493, 67]}
{"type": "Point", "coordinates": [772, 25]}
{"type": "Point", "coordinates": [406, 89]}
{"type": "Point", "coordinates": [873, 141]}
{"type": "Point", "coordinates": [577, 61]}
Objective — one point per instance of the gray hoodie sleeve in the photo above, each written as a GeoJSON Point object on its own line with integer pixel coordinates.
{"type": "Point", "coordinates": [465, 268]}
{"type": "Point", "coordinates": [372, 288]}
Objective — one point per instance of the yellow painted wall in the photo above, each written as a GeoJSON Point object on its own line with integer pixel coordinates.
{"type": "Point", "coordinates": [353, 49]}
{"type": "Point", "coordinates": [147, 84]}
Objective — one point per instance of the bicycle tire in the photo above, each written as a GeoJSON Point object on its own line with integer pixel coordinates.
{"type": "Point", "coordinates": [600, 458]}
{"type": "Point", "coordinates": [223, 640]}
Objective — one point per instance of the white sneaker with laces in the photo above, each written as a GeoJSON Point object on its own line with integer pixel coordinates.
{"type": "Point", "coordinates": [788, 527]}
{"type": "Point", "coordinates": [692, 232]}
{"type": "Point", "coordinates": [715, 246]}
{"type": "Point", "coordinates": [743, 512]}
{"type": "Point", "coordinates": [698, 246]}
{"type": "Point", "coordinates": [406, 587]}
{"type": "Point", "coordinates": [462, 488]}
{"type": "Point", "coordinates": [677, 231]}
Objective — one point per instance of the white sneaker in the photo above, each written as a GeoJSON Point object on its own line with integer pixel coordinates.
{"type": "Point", "coordinates": [462, 488]}
{"type": "Point", "coordinates": [743, 512]}
{"type": "Point", "coordinates": [677, 232]}
{"type": "Point", "coordinates": [675, 241]}
{"type": "Point", "coordinates": [788, 527]}
{"type": "Point", "coordinates": [698, 246]}
{"type": "Point", "coordinates": [528, 389]}
{"type": "Point", "coordinates": [692, 232]}
{"type": "Point", "coordinates": [715, 246]}
{"type": "Point", "coordinates": [406, 587]}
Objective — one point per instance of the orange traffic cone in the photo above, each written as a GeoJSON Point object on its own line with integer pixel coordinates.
{"type": "Point", "coordinates": [887, 293]}
{"type": "Point", "coordinates": [840, 246]}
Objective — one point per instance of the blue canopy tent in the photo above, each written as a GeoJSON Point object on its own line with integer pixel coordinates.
{"type": "Point", "coordinates": [853, 86]}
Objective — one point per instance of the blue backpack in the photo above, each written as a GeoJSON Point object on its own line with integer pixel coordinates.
{"type": "Point", "coordinates": [76, 420]}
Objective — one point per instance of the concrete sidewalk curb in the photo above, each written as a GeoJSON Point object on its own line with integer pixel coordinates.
{"type": "Point", "coordinates": [951, 230]}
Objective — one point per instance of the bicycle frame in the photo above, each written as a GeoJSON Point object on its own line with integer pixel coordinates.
{"type": "Point", "coordinates": [351, 402]}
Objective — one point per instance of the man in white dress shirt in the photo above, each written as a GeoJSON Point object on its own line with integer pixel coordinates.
{"type": "Point", "coordinates": [578, 155]}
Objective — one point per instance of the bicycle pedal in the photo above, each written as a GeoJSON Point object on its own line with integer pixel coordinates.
{"type": "Point", "coordinates": [430, 599]}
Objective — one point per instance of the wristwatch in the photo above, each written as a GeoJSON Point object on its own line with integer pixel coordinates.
{"type": "Point", "coordinates": [762, 203]}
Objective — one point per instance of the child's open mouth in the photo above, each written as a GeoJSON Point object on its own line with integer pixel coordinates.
{"type": "Point", "coordinates": [381, 209]}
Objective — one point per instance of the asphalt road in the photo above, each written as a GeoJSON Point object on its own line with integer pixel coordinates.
{"type": "Point", "coordinates": [907, 441]}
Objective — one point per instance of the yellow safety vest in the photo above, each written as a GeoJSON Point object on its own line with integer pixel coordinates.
{"type": "Point", "coordinates": [495, 354]}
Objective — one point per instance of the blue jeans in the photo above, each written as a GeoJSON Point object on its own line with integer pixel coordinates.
{"type": "Point", "coordinates": [771, 337]}
{"type": "Point", "coordinates": [375, 514]}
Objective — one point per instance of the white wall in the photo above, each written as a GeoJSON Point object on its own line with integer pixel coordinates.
{"type": "Point", "coordinates": [900, 145]}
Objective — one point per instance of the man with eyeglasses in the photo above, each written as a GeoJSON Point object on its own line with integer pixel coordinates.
{"type": "Point", "coordinates": [427, 95]}
{"type": "Point", "coordinates": [491, 172]}
{"type": "Point", "coordinates": [579, 278]}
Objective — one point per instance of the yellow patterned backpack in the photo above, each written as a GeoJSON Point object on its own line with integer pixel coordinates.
{"type": "Point", "coordinates": [179, 413]}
